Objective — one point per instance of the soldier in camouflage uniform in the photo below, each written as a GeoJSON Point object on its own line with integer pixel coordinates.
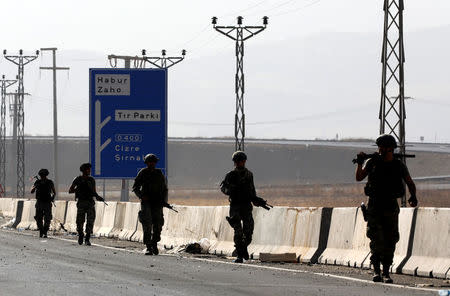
{"type": "Point", "coordinates": [386, 175]}
{"type": "Point", "coordinates": [45, 194]}
{"type": "Point", "coordinates": [84, 188]}
{"type": "Point", "coordinates": [150, 187]}
{"type": "Point", "coordinates": [238, 185]}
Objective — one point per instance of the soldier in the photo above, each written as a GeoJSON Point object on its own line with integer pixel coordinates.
{"type": "Point", "coordinates": [386, 175]}
{"type": "Point", "coordinates": [84, 188]}
{"type": "Point", "coordinates": [150, 187]}
{"type": "Point", "coordinates": [45, 195]}
{"type": "Point", "coordinates": [238, 185]}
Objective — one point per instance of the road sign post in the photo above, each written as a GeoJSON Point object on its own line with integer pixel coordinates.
{"type": "Point", "coordinates": [128, 119]}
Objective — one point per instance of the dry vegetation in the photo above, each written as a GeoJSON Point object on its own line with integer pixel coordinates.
{"type": "Point", "coordinates": [344, 195]}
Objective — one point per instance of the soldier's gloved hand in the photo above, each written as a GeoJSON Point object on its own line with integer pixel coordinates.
{"type": "Point", "coordinates": [413, 201]}
{"type": "Point", "coordinates": [360, 158]}
{"type": "Point", "coordinates": [99, 198]}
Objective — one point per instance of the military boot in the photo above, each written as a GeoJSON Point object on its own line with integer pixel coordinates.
{"type": "Point", "coordinates": [386, 278]}
{"type": "Point", "coordinates": [377, 272]}
{"type": "Point", "coordinates": [80, 238]}
{"type": "Point", "coordinates": [41, 233]}
{"type": "Point", "coordinates": [87, 240]}
{"type": "Point", "coordinates": [245, 254]}
{"type": "Point", "coordinates": [155, 248]}
{"type": "Point", "coordinates": [149, 250]}
{"type": "Point", "coordinates": [44, 234]}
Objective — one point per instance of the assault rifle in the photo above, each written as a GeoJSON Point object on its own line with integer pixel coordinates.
{"type": "Point", "coordinates": [376, 154]}
{"type": "Point", "coordinates": [259, 202]}
{"type": "Point", "coordinates": [170, 207]}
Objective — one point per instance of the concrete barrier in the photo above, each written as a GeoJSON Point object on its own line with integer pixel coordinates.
{"type": "Point", "coordinates": [119, 219]}
{"type": "Point", "coordinates": [340, 237]}
{"type": "Point", "coordinates": [70, 223]}
{"type": "Point", "coordinates": [430, 253]}
{"type": "Point", "coordinates": [59, 215]}
{"type": "Point", "coordinates": [5, 206]}
{"type": "Point", "coordinates": [99, 210]}
{"type": "Point", "coordinates": [196, 223]}
{"type": "Point", "coordinates": [131, 220]}
{"type": "Point", "coordinates": [222, 242]}
{"type": "Point", "coordinates": [107, 221]}
{"type": "Point", "coordinates": [27, 220]}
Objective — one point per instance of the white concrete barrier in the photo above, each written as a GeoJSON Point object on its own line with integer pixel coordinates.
{"type": "Point", "coordinates": [119, 219]}
{"type": "Point", "coordinates": [274, 231]}
{"type": "Point", "coordinates": [306, 232]}
{"type": "Point", "coordinates": [196, 223]}
{"type": "Point", "coordinates": [340, 237]}
{"type": "Point", "coordinates": [70, 223]}
{"type": "Point", "coordinates": [27, 221]}
{"type": "Point", "coordinates": [59, 215]}
{"type": "Point", "coordinates": [359, 250]}
{"type": "Point", "coordinates": [430, 255]}
{"type": "Point", "coordinates": [5, 206]}
{"type": "Point", "coordinates": [222, 242]}
{"type": "Point", "coordinates": [9, 207]}
{"type": "Point", "coordinates": [131, 220]}
{"type": "Point", "coordinates": [99, 210]}
{"type": "Point", "coordinates": [107, 224]}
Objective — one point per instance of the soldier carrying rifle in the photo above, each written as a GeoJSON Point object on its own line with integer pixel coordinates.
{"type": "Point", "coordinates": [238, 185]}
{"type": "Point", "coordinates": [386, 174]}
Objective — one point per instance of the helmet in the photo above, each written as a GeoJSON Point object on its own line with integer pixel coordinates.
{"type": "Point", "coordinates": [386, 141]}
{"type": "Point", "coordinates": [150, 157]}
{"type": "Point", "coordinates": [239, 156]}
{"type": "Point", "coordinates": [43, 172]}
{"type": "Point", "coordinates": [85, 166]}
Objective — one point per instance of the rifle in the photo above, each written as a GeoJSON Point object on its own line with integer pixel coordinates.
{"type": "Point", "coordinates": [169, 206]}
{"type": "Point", "coordinates": [364, 211]}
{"type": "Point", "coordinates": [376, 154]}
{"type": "Point", "coordinates": [259, 202]}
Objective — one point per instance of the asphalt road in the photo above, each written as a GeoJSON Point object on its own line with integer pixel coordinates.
{"type": "Point", "coordinates": [33, 266]}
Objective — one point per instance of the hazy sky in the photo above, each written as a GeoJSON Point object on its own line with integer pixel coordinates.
{"type": "Point", "coordinates": [128, 26]}
{"type": "Point", "coordinates": [299, 34]}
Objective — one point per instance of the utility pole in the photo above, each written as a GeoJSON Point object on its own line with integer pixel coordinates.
{"type": "Point", "coordinates": [54, 68]}
{"type": "Point", "coordinates": [239, 34]}
{"type": "Point", "coordinates": [163, 62]}
{"type": "Point", "coordinates": [138, 63]}
{"type": "Point", "coordinates": [392, 107]}
{"type": "Point", "coordinates": [20, 60]}
{"type": "Point", "coordinates": [4, 84]}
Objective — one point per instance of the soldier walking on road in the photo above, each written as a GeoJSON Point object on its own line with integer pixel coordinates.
{"type": "Point", "coordinates": [45, 195]}
{"type": "Point", "coordinates": [238, 185]}
{"type": "Point", "coordinates": [84, 188]}
{"type": "Point", "coordinates": [386, 175]}
{"type": "Point", "coordinates": [150, 187]}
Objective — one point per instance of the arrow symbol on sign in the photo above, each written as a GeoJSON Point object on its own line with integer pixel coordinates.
{"type": "Point", "coordinates": [99, 147]}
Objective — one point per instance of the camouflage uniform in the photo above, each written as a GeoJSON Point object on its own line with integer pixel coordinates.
{"type": "Point", "coordinates": [384, 186]}
{"type": "Point", "coordinates": [84, 194]}
{"type": "Point", "coordinates": [43, 205]}
{"type": "Point", "coordinates": [151, 188]}
{"type": "Point", "coordinates": [242, 192]}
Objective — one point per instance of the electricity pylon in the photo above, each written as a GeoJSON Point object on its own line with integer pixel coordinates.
{"type": "Point", "coordinates": [20, 60]}
{"type": "Point", "coordinates": [240, 34]}
{"type": "Point", "coordinates": [392, 107]}
{"type": "Point", "coordinates": [4, 84]}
